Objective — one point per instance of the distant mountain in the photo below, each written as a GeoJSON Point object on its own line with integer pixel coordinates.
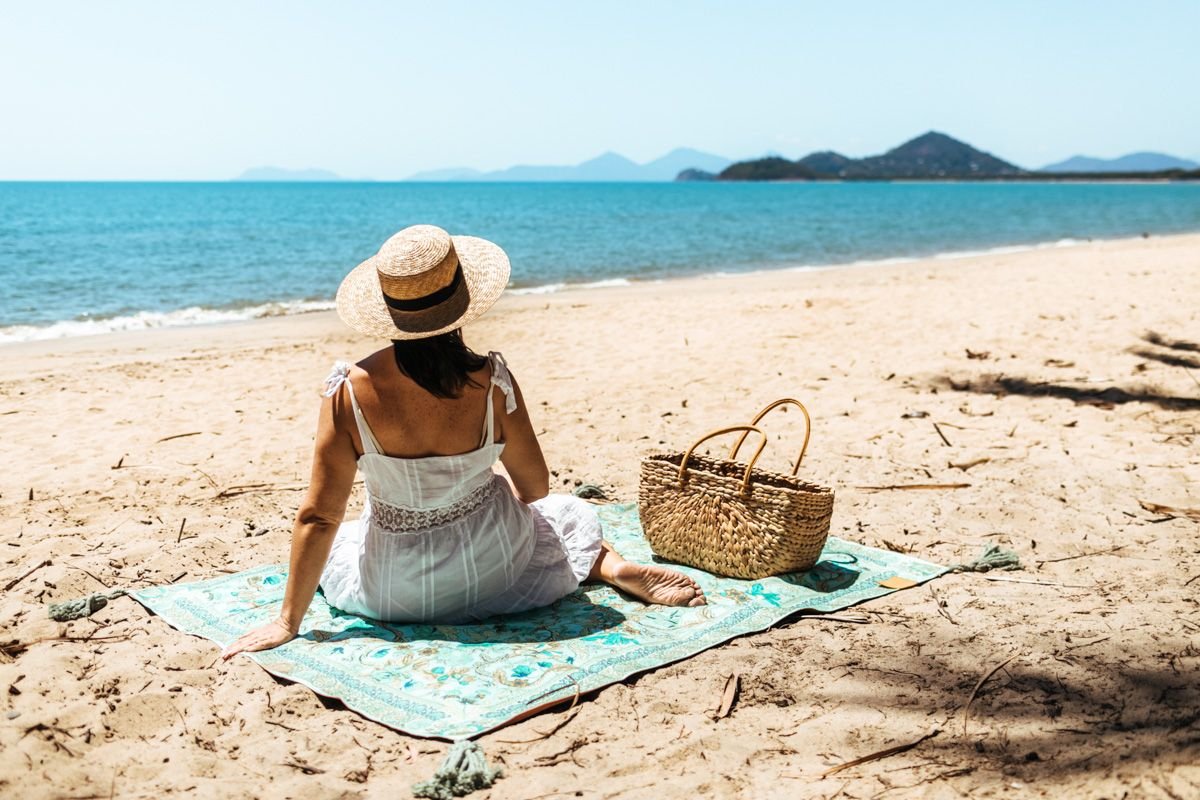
{"type": "Point", "coordinates": [665, 168]}
{"type": "Point", "coordinates": [281, 174]}
{"type": "Point", "coordinates": [605, 167]}
{"type": "Point", "coordinates": [1134, 162]}
{"type": "Point", "coordinates": [931, 155]}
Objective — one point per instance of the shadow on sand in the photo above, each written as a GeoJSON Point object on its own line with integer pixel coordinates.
{"type": "Point", "coordinates": [1172, 352]}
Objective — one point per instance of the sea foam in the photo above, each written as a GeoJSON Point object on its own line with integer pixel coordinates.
{"type": "Point", "coordinates": [146, 320]}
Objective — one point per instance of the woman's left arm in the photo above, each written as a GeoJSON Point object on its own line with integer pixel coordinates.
{"type": "Point", "coordinates": [334, 464]}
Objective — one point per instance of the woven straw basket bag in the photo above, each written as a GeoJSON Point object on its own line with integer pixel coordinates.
{"type": "Point", "coordinates": [730, 518]}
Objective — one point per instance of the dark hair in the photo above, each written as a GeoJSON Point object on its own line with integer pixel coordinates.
{"type": "Point", "coordinates": [441, 365]}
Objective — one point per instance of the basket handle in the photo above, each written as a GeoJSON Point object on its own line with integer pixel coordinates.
{"type": "Point", "coordinates": [758, 418]}
{"type": "Point", "coordinates": [745, 430]}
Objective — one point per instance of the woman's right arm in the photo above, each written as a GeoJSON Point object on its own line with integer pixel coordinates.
{"type": "Point", "coordinates": [335, 463]}
{"type": "Point", "coordinates": [522, 457]}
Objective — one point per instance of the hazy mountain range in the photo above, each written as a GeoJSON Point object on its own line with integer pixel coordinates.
{"type": "Point", "coordinates": [607, 167]}
{"type": "Point", "coordinates": [281, 174]}
{"type": "Point", "coordinates": [1134, 162]}
{"type": "Point", "coordinates": [931, 155]}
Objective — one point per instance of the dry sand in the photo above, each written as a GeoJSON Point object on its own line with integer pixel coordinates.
{"type": "Point", "coordinates": [1061, 407]}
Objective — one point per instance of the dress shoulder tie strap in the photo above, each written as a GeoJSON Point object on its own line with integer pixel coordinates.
{"type": "Point", "coordinates": [502, 378]}
{"type": "Point", "coordinates": [337, 376]}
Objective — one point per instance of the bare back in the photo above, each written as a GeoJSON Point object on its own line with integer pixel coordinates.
{"type": "Point", "coordinates": [409, 422]}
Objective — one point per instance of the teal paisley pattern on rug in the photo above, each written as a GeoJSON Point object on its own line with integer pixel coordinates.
{"type": "Point", "coordinates": [458, 681]}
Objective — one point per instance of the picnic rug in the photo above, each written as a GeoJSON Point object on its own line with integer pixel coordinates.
{"type": "Point", "coordinates": [459, 681]}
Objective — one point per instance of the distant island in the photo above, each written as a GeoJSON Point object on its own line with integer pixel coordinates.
{"type": "Point", "coordinates": [936, 156]}
{"type": "Point", "coordinates": [281, 174]}
{"type": "Point", "coordinates": [606, 167]}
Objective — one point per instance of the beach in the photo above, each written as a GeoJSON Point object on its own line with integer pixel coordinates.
{"type": "Point", "coordinates": [1048, 401]}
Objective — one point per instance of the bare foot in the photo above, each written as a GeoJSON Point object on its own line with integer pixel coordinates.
{"type": "Point", "coordinates": [656, 584]}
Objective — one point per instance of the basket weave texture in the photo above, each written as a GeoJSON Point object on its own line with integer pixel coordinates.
{"type": "Point", "coordinates": [730, 518]}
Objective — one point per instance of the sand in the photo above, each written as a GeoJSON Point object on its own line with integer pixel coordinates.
{"type": "Point", "coordinates": [1065, 391]}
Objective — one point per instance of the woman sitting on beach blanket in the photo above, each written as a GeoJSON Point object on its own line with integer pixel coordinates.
{"type": "Point", "coordinates": [447, 534]}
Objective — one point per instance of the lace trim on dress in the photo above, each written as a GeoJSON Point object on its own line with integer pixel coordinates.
{"type": "Point", "coordinates": [402, 519]}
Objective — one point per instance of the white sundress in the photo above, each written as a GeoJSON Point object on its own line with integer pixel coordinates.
{"type": "Point", "coordinates": [443, 538]}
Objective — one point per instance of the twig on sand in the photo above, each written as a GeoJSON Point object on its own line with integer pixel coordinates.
{"type": "Point", "coordinates": [207, 477]}
{"type": "Point", "coordinates": [891, 751]}
{"type": "Point", "coordinates": [569, 752]}
{"type": "Point", "coordinates": [1039, 583]}
{"type": "Point", "coordinates": [940, 605]}
{"type": "Point", "coordinates": [179, 538]}
{"type": "Point", "coordinates": [1172, 511]}
{"type": "Point", "coordinates": [938, 428]}
{"type": "Point", "coordinates": [838, 618]}
{"type": "Point", "coordinates": [307, 769]}
{"type": "Point", "coordinates": [91, 575]}
{"type": "Point", "coordinates": [903, 486]}
{"type": "Point", "coordinates": [281, 725]}
{"type": "Point", "coordinates": [1082, 555]}
{"type": "Point", "coordinates": [729, 695]}
{"type": "Point", "coordinates": [178, 436]}
{"type": "Point", "coordinates": [26, 574]}
{"type": "Point", "coordinates": [557, 727]}
{"type": "Point", "coordinates": [1089, 644]}
{"type": "Point", "coordinates": [979, 683]}
{"type": "Point", "coordinates": [248, 488]}
{"type": "Point", "coordinates": [15, 648]}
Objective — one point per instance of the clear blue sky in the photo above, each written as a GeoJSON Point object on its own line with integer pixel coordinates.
{"type": "Point", "coordinates": [202, 90]}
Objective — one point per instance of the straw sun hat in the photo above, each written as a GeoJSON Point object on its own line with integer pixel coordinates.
{"type": "Point", "coordinates": [421, 283]}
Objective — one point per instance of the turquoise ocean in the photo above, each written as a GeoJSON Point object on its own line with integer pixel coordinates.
{"type": "Point", "coordinates": [79, 258]}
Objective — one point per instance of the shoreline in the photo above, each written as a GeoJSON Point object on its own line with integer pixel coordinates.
{"type": "Point", "coordinates": [198, 317]}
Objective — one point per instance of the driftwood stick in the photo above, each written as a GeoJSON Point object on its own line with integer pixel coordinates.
{"type": "Point", "coordinates": [891, 751]}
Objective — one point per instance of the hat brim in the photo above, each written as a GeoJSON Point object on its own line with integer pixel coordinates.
{"type": "Point", "coordinates": [485, 270]}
